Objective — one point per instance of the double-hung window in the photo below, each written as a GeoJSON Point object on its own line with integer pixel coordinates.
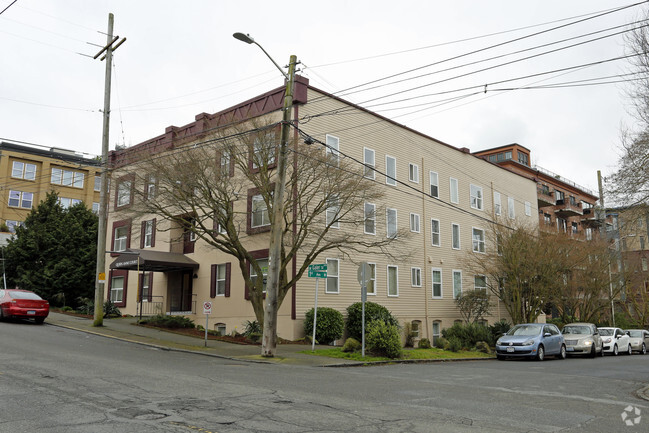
{"type": "Point", "coordinates": [121, 238]}
{"type": "Point", "coordinates": [528, 208]}
{"type": "Point", "coordinates": [333, 285]}
{"type": "Point", "coordinates": [480, 282]}
{"type": "Point", "coordinates": [476, 197]}
{"type": "Point", "coordinates": [436, 274]}
{"type": "Point", "coordinates": [415, 277]}
{"type": "Point", "coordinates": [260, 215]}
{"type": "Point", "coordinates": [391, 223]}
{"type": "Point", "coordinates": [97, 182]}
{"type": "Point", "coordinates": [117, 289]}
{"type": "Point", "coordinates": [147, 233]}
{"type": "Point", "coordinates": [434, 184]}
{"type": "Point", "coordinates": [370, 219]}
{"type": "Point", "coordinates": [478, 238]}
{"type": "Point", "coordinates": [510, 207]}
{"type": "Point", "coordinates": [220, 279]}
{"type": "Point", "coordinates": [263, 265]}
{"type": "Point", "coordinates": [457, 284]}
{"type": "Point", "coordinates": [264, 148]}
{"type": "Point", "coordinates": [455, 235]}
{"type": "Point", "coordinates": [455, 190]}
{"type": "Point", "coordinates": [332, 212]}
{"type": "Point", "coordinates": [497, 203]}
{"type": "Point", "coordinates": [124, 192]}
{"type": "Point", "coordinates": [414, 222]}
{"type": "Point", "coordinates": [21, 199]}
{"type": "Point", "coordinates": [333, 149]}
{"type": "Point", "coordinates": [434, 232]}
{"type": "Point", "coordinates": [393, 280]}
{"type": "Point", "coordinates": [413, 173]}
{"type": "Point", "coordinates": [67, 177]}
{"type": "Point", "coordinates": [390, 170]}
{"type": "Point", "coordinates": [23, 170]}
{"type": "Point", "coordinates": [370, 163]}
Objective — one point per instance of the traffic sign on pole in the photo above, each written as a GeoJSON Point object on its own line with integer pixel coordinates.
{"type": "Point", "coordinates": [318, 271]}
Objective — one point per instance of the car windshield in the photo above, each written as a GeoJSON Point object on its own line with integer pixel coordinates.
{"type": "Point", "coordinates": [580, 330]}
{"type": "Point", "coordinates": [525, 330]}
{"type": "Point", "coordinates": [635, 334]}
{"type": "Point", "coordinates": [605, 332]}
{"type": "Point", "coordinates": [25, 295]}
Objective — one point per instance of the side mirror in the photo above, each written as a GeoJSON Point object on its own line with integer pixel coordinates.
{"type": "Point", "coordinates": [547, 334]}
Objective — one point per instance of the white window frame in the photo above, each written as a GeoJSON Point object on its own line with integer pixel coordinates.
{"type": "Point", "coordinates": [263, 210]}
{"type": "Point", "coordinates": [457, 289]}
{"type": "Point", "coordinates": [435, 233]}
{"type": "Point", "coordinates": [253, 276]}
{"type": "Point", "coordinates": [150, 187]}
{"type": "Point", "coordinates": [395, 289]}
{"type": "Point", "coordinates": [475, 280]}
{"type": "Point", "coordinates": [148, 234]}
{"type": "Point", "coordinates": [23, 170]}
{"type": "Point", "coordinates": [478, 244]}
{"type": "Point", "coordinates": [391, 223]}
{"type": "Point", "coordinates": [332, 212]}
{"type": "Point", "coordinates": [97, 183]}
{"type": "Point", "coordinates": [433, 272]}
{"type": "Point", "coordinates": [454, 190]}
{"type": "Point", "coordinates": [511, 211]}
{"type": "Point", "coordinates": [390, 170]}
{"type": "Point", "coordinates": [95, 207]}
{"type": "Point", "coordinates": [120, 242]}
{"type": "Point", "coordinates": [21, 199]}
{"type": "Point", "coordinates": [333, 149]}
{"type": "Point", "coordinates": [413, 172]}
{"type": "Point", "coordinates": [117, 293]}
{"type": "Point", "coordinates": [333, 278]}
{"type": "Point", "coordinates": [371, 281]}
{"type": "Point", "coordinates": [221, 277]}
{"type": "Point", "coordinates": [12, 225]}
{"type": "Point", "coordinates": [369, 217]}
{"type": "Point", "coordinates": [415, 277]}
{"type": "Point", "coordinates": [498, 206]}
{"type": "Point", "coordinates": [437, 330]}
{"type": "Point", "coordinates": [477, 197]}
{"type": "Point", "coordinates": [258, 148]}
{"type": "Point", "coordinates": [124, 193]}
{"type": "Point", "coordinates": [415, 226]}
{"type": "Point", "coordinates": [455, 236]}
{"type": "Point", "coordinates": [370, 166]}
{"type": "Point", "coordinates": [433, 178]}
{"type": "Point", "coordinates": [528, 208]}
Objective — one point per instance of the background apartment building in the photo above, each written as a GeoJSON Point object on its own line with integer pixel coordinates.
{"type": "Point", "coordinates": [442, 196]}
{"type": "Point", "coordinates": [28, 173]}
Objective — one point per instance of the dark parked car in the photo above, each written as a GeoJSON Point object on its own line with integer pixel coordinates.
{"type": "Point", "coordinates": [531, 340]}
{"type": "Point", "coordinates": [23, 304]}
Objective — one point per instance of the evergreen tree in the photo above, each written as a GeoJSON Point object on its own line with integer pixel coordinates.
{"type": "Point", "coordinates": [54, 252]}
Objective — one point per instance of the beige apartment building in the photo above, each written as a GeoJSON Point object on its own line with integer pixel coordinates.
{"type": "Point", "coordinates": [28, 173]}
{"type": "Point", "coordinates": [442, 196]}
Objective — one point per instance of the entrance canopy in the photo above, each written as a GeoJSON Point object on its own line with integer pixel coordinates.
{"type": "Point", "coordinates": [153, 261]}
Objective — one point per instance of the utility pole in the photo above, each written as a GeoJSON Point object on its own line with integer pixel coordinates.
{"type": "Point", "coordinates": [602, 219]}
{"type": "Point", "coordinates": [103, 195]}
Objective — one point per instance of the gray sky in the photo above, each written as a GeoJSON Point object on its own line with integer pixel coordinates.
{"type": "Point", "coordinates": [180, 59]}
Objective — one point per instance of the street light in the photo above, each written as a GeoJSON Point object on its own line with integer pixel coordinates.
{"type": "Point", "coordinates": [269, 338]}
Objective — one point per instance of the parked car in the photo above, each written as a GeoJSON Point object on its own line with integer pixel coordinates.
{"type": "Point", "coordinates": [532, 340]}
{"type": "Point", "coordinates": [582, 339]}
{"type": "Point", "coordinates": [23, 304]}
{"type": "Point", "coordinates": [639, 339]}
{"type": "Point", "coordinates": [615, 341]}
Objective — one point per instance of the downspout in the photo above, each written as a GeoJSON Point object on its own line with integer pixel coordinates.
{"type": "Point", "coordinates": [423, 226]}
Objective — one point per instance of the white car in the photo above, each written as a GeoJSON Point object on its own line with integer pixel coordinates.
{"type": "Point", "coordinates": [615, 341]}
{"type": "Point", "coordinates": [639, 340]}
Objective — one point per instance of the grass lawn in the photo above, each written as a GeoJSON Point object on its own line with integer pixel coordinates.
{"type": "Point", "coordinates": [434, 353]}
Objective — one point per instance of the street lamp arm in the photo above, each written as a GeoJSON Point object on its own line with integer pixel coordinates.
{"type": "Point", "coordinates": [249, 40]}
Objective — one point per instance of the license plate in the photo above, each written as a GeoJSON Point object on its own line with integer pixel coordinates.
{"type": "Point", "coordinates": [570, 349]}
{"type": "Point", "coordinates": [510, 350]}
{"type": "Point", "coordinates": [31, 313]}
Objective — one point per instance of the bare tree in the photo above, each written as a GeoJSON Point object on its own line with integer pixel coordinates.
{"type": "Point", "coordinates": [473, 305]}
{"type": "Point", "coordinates": [220, 190]}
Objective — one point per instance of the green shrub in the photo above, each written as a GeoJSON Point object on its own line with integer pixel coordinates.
{"type": "Point", "coordinates": [383, 339]}
{"type": "Point", "coordinates": [454, 344]}
{"type": "Point", "coordinates": [67, 308]}
{"type": "Point", "coordinates": [110, 310]}
{"type": "Point", "coordinates": [255, 337]}
{"type": "Point", "coordinates": [483, 347]}
{"type": "Point", "coordinates": [330, 326]}
{"type": "Point", "coordinates": [351, 345]}
{"type": "Point", "coordinates": [373, 312]}
{"type": "Point", "coordinates": [424, 343]}
{"type": "Point", "coordinates": [498, 329]}
{"type": "Point", "coordinates": [250, 328]}
{"type": "Point", "coordinates": [441, 343]}
{"type": "Point", "coordinates": [171, 322]}
{"type": "Point", "coordinates": [468, 334]}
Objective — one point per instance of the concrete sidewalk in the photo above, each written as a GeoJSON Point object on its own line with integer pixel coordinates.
{"type": "Point", "coordinates": [126, 329]}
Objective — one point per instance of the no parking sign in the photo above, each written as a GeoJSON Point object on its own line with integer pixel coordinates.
{"type": "Point", "coordinates": [207, 307]}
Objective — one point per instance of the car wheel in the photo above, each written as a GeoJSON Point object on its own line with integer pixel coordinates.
{"type": "Point", "coordinates": [540, 353]}
{"type": "Point", "coordinates": [593, 351]}
{"type": "Point", "coordinates": [562, 352]}
{"type": "Point", "coordinates": [643, 351]}
{"type": "Point", "coordinates": [500, 357]}
{"type": "Point", "coordinates": [40, 320]}
{"type": "Point", "coordinates": [2, 316]}
{"type": "Point", "coordinates": [629, 351]}
{"type": "Point", "coordinates": [615, 351]}
{"type": "Point", "coordinates": [601, 350]}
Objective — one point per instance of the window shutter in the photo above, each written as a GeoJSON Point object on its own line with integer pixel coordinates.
{"type": "Point", "coordinates": [213, 282]}
{"type": "Point", "coordinates": [142, 233]}
{"type": "Point", "coordinates": [150, 296]}
{"type": "Point", "coordinates": [227, 279]}
{"type": "Point", "coordinates": [153, 229]}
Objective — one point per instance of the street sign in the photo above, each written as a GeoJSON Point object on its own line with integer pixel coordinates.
{"type": "Point", "coordinates": [207, 307]}
{"type": "Point", "coordinates": [318, 271]}
{"type": "Point", "coordinates": [101, 277]}
{"type": "Point", "coordinates": [364, 273]}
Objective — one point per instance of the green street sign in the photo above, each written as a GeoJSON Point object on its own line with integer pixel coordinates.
{"type": "Point", "coordinates": [318, 271]}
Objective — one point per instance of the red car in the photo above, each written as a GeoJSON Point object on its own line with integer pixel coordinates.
{"type": "Point", "coordinates": [23, 304]}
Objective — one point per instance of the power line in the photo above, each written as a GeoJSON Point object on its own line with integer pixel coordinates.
{"type": "Point", "coordinates": [10, 5]}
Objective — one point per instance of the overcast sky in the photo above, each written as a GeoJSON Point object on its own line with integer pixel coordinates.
{"type": "Point", "coordinates": [180, 59]}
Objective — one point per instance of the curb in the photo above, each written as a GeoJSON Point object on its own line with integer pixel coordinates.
{"type": "Point", "coordinates": [643, 393]}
